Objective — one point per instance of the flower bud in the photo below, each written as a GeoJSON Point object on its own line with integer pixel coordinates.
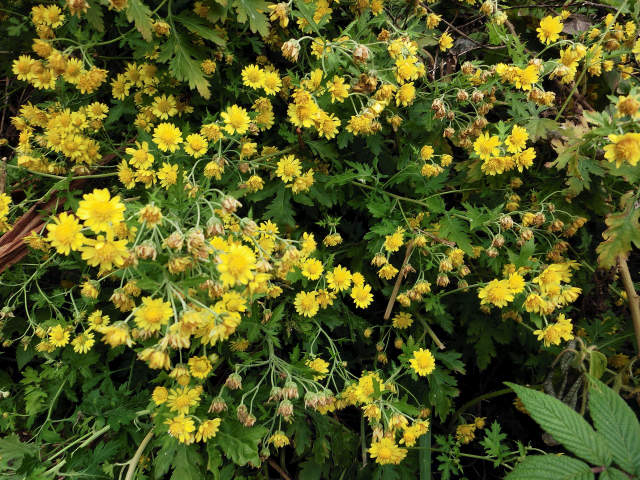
{"type": "Point", "coordinates": [234, 382]}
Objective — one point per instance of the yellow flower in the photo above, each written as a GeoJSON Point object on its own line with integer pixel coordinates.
{"type": "Point", "coordinates": [361, 295]}
{"type": "Point", "coordinates": [549, 29]}
{"type": "Point", "coordinates": [199, 366]}
{"type": "Point", "coordinates": [402, 320]}
{"type": "Point", "coordinates": [486, 146]}
{"type": "Point", "coordinates": [59, 336]}
{"type": "Point", "coordinates": [164, 107]}
{"type": "Point", "coordinates": [99, 211]}
{"type": "Point", "coordinates": [83, 342]}
{"type": "Point", "coordinates": [320, 366]}
{"type": "Point", "coordinates": [253, 76]}
{"type": "Point", "coordinates": [168, 174]}
{"type": "Point", "coordinates": [339, 278]}
{"type": "Point", "coordinates": [279, 439]}
{"type": "Point", "coordinates": [153, 314]}
{"type": "Point", "coordinates": [236, 265]}
{"type": "Point", "coordinates": [236, 120]}
{"type": "Point", "coordinates": [385, 451]}
{"type": "Point", "coordinates": [516, 283]}
{"type": "Point", "coordinates": [182, 428]}
{"type": "Point", "coordinates": [306, 303]}
{"type": "Point", "coordinates": [159, 395]}
{"type": "Point", "coordinates": [496, 292]}
{"type": "Point", "coordinates": [517, 140]}
{"type": "Point", "coordinates": [312, 268]}
{"type": "Point", "coordinates": [208, 429]}
{"type": "Point", "coordinates": [393, 242]}
{"type": "Point", "coordinates": [182, 399]}
{"type": "Point", "coordinates": [406, 94]}
{"type": "Point", "coordinates": [105, 252]}
{"type": "Point", "coordinates": [196, 145]}
{"type": "Point", "coordinates": [64, 233]}
{"type": "Point", "coordinates": [167, 136]}
{"type": "Point", "coordinates": [338, 89]}
{"type": "Point", "coordinates": [271, 83]}
{"type": "Point", "coordinates": [445, 42]}
{"type": "Point", "coordinates": [288, 168]}
{"type": "Point", "coordinates": [140, 156]}
{"type": "Point", "coordinates": [422, 362]}
{"type": "Point", "coordinates": [433, 20]}
{"type": "Point", "coordinates": [624, 148]}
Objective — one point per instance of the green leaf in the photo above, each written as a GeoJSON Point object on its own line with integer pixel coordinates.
{"type": "Point", "coordinates": [140, 14]}
{"type": "Point", "coordinates": [164, 458]}
{"type": "Point", "coordinates": [184, 66]}
{"type": "Point", "coordinates": [613, 474]}
{"type": "Point", "coordinates": [94, 16]}
{"type": "Point", "coordinates": [617, 424]}
{"type": "Point", "coordinates": [12, 451]}
{"type": "Point", "coordinates": [197, 25]}
{"type": "Point", "coordinates": [454, 229]}
{"type": "Point", "coordinates": [279, 210]}
{"type": "Point", "coordinates": [538, 127]}
{"type": "Point", "coordinates": [253, 10]}
{"type": "Point", "coordinates": [551, 467]}
{"type": "Point", "coordinates": [623, 231]}
{"type": "Point", "coordinates": [565, 425]}
{"type": "Point", "coordinates": [187, 464]}
{"type": "Point", "coordinates": [597, 364]}
{"type": "Point", "coordinates": [239, 443]}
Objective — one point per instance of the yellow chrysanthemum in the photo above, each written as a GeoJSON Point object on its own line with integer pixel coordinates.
{"type": "Point", "coordinates": [236, 265]}
{"type": "Point", "coordinates": [153, 314]}
{"type": "Point", "coordinates": [623, 148]}
{"type": "Point", "coordinates": [167, 136]}
{"type": "Point", "coordinates": [422, 362]}
{"type": "Point", "coordinates": [385, 451]}
{"type": "Point", "coordinates": [99, 211]}
{"type": "Point", "coordinates": [236, 120]}
{"type": "Point", "coordinates": [64, 233]}
{"type": "Point", "coordinates": [549, 29]}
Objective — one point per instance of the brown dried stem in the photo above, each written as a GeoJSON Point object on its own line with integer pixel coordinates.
{"type": "Point", "coordinates": [632, 296]}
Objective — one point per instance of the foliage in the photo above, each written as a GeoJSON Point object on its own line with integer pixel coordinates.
{"type": "Point", "coordinates": [311, 239]}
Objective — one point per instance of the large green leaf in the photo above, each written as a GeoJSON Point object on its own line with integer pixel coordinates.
{"type": "Point", "coordinates": [197, 25]}
{"type": "Point", "coordinates": [565, 425]}
{"type": "Point", "coordinates": [140, 14]}
{"type": "Point", "coordinates": [12, 451]}
{"type": "Point", "coordinates": [240, 443]}
{"type": "Point", "coordinates": [254, 11]}
{"type": "Point", "coordinates": [551, 467]}
{"type": "Point", "coordinates": [183, 64]}
{"type": "Point", "coordinates": [187, 463]}
{"type": "Point", "coordinates": [623, 230]}
{"type": "Point", "coordinates": [617, 424]}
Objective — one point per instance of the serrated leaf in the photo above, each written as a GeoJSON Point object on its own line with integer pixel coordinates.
{"type": "Point", "coordinates": [551, 467]}
{"type": "Point", "coordinates": [185, 68]}
{"type": "Point", "coordinates": [279, 210]}
{"type": "Point", "coordinates": [239, 443]}
{"type": "Point", "coordinates": [454, 229]}
{"type": "Point", "coordinates": [613, 474]}
{"type": "Point", "coordinates": [565, 425]}
{"type": "Point", "coordinates": [140, 14]}
{"type": "Point", "coordinates": [12, 451]}
{"type": "Point", "coordinates": [538, 127]}
{"type": "Point", "coordinates": [253, 10]}
{"type": "Point", "coordinates": [197, 25]}
{"type": "Point", "coordinates": [623, 231]}
{"type": "Point", "coordinates": [187, 464]}
{"type": "Point", "coordinates": [94, 16]}
{"type": "Point", "coordinates": [617, 424]}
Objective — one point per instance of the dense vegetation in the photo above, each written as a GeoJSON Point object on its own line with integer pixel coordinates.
{"type": "Point", "coordinates": [319, 240]}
